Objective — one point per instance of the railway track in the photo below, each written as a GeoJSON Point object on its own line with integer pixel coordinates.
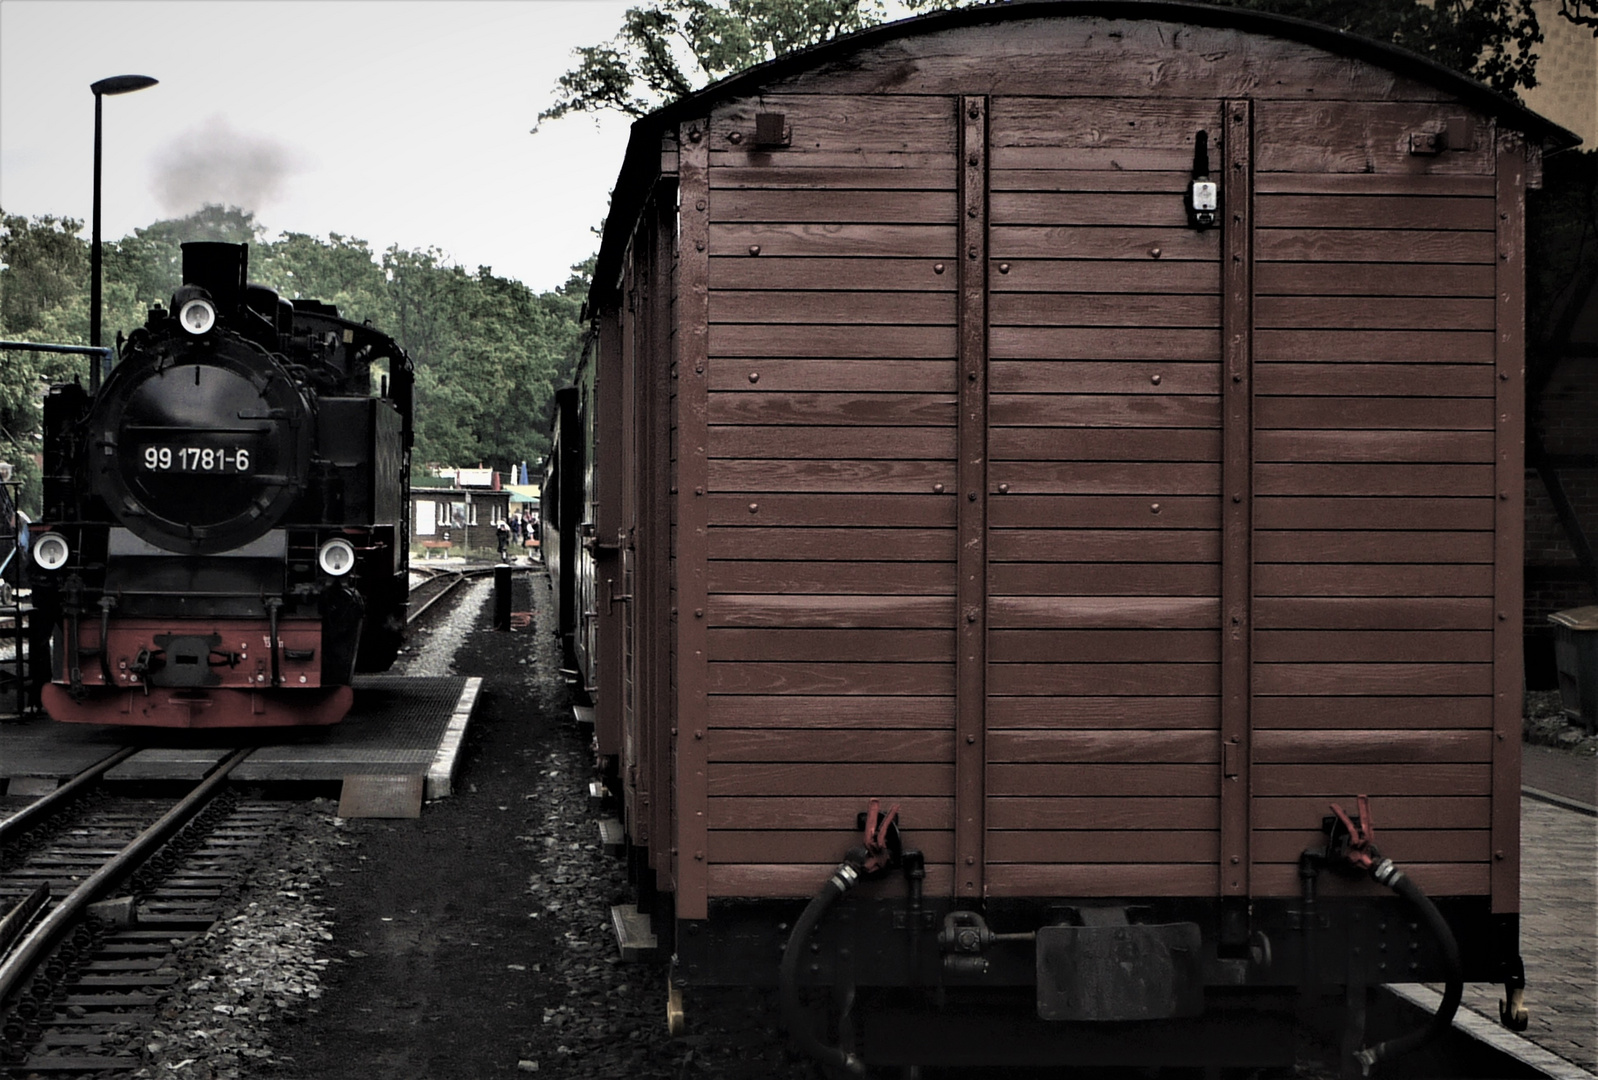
{"type": "Point", "coordinates": [438, 584]}
{"type": "Point", "coordinates": [80, 983]}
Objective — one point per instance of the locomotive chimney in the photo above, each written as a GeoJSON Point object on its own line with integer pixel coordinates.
{"type": "Point", "coordinates": [219, 269]}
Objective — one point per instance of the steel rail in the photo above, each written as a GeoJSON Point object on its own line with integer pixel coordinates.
{"type": "Point", "coordinates": [460, 577]}
{"type": "Point", "coordinates": [45, 806]}
{"type": "Point", "coordinates": [444, 590]}
{"type": "Point", "coordinates": [20, 962]}
{"type": "Point", "coordinates": [22, 914]}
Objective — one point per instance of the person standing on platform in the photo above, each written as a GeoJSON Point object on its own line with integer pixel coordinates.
{"type": "Point", "coordinates": [502, 534]}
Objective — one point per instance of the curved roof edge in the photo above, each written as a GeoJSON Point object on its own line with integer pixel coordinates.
{"type": "Point", "coordinates": [642, 159]}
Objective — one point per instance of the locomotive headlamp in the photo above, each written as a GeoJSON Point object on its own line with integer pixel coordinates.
{"type": "Point", "coordinates": [50, 551]}
{"type": "Point", "coordinates": [197, 316]}
{"type": "Point", "coordinates": [336, 557]}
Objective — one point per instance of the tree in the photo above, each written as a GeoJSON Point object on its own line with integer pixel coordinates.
{"type": "Point", "coordinates": [1491, 40]}
{"type": "Point", "coordinates": [669, 49]}
{"type": "Point", "coordinates": [1580, 12]}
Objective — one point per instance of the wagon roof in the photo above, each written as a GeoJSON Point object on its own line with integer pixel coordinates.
{"type": "Point", "coordinates": [643, 158]}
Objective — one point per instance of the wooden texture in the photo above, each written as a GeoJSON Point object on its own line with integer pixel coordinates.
{"type": "Point", "coordinates": [971, 656]}
{"type": "Point", "coordinates": [1238, 481]}
{"type": "Point", "coordinates": [1110, 547]}
{"type": "Point", "coordinates": [1510, 481]}
{"type": "Point", "coordinates": [693, 773]}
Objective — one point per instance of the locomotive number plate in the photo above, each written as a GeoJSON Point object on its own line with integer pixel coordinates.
{"type": "Point", "coordinates": [197, 459]}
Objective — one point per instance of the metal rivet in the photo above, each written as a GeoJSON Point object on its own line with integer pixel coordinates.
{"type": "Point", "coordinates": [699, 205]}
{"type": "Point", "coordinates": [1004, 489]}
{"type": "Point", "coordinates": [699, 245]}
{"type": "Point", "coordinates": [699, 491]}
{"type": "Point", "coordinates": [1237, 377]}
{"type": "Point", "coordinates": [754, 376]}
{"type": "Point", "coordinates": [1004, 268]}
{"type": "Point", "coordinates": [937, 268]}
{"type": "Point", "coordinates": [754, 507]}
{"type": "Point", "coordinates": [970, 739]}
{"type": "Point", "coordinates": [971, 376]}
{"type": "Point", "coordinates": [971, 496]}
{"type": "Point", "coordinates": [1236, 860]}
{"type": "Point", "coordinates": [1155, 252]}
{"type": "Point", "coordinates": [699, 734]}
{"type": "Point", "coordinates": [970, 860]}
{"type": "Point", "coordinates": [735, 137]}
{"type": "Point", "coordinates": [699, 613]}
{"type": "Point", "coordinates": [754, 249]}
{"type": "Point", "coordinates": [1498, 854]}
{"type": "Point", "coordinates": [937, 489]}
{"type": "Point", "coordinates": [971, 252]}
{"type": "Point", "coordinates": [693, 135]}
{"type": "Point", "coordinates": [971, 212]}
{"type": "Point", "coordinates": [1503, 376]}
{"type": "Point", "coordinates": [699, 855]}
{"type": "Point", "coordinates": [1237, 498]}
{"type": "Point", "coordinates": [972, 158]}
{"type": "Point", "coordinates": [1155, 379]}
{"type": "Point", "coordinates": [973, 112]}
{"type": "Point", "coordinates": [1155, 508]}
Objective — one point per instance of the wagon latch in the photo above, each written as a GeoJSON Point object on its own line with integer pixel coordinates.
{"type": "Point", "coordinates": [880, 837]}
{"type": "Point", "coordinates": [1352, 840]}
{"type": "Point", "coordinates": [1203, 196]}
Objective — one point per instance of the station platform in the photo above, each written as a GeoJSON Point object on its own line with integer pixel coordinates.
{"type": "Point", "coordinates": [402, 729]}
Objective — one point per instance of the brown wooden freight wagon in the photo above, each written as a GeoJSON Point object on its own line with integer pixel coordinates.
{"type": "Point", "coordinates": [954, 449]}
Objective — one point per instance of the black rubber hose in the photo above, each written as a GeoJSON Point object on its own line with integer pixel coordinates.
{"type": "Point", "coordinates": [842, 880]}
{"type": "Point", "coordinates": [1399, 882]}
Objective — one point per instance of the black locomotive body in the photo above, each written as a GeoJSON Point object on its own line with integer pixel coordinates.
{"type": "Point", "coordinates": [225, 540]}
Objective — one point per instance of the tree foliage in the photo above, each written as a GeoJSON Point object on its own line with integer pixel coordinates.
{"type": "Point", "coordinates": [668, 49]}
{"type": "Point", "coordinates": [1491, 40]}
{"type": "Point", "coordinates": [1580, 12]}
{"type": "Point", "coordinates": [489, 351]}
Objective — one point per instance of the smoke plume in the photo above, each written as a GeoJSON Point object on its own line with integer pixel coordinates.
{"type": "Point", "coordinates": [214, 163]}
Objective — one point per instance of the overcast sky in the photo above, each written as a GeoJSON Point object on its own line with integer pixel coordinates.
{"type": "Point", "coordinates": [394, 122]}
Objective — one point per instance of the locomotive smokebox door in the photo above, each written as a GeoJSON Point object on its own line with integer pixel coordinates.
{"type": "Point", "coordinates": [1119, 972]}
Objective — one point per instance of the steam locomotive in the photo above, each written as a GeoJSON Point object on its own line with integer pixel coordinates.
{"type": "Point", "coordinates": [225, 540]}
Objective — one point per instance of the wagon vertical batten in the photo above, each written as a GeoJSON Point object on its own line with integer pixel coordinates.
{"type": "Point", "coordinates": [1509, 481]}
{"type": "Point", "coordinates": [692, 358]}
{"type": "Point", "coordinates": [1237, 497]}
{"type": "Point", "coordinates": [971, 494]}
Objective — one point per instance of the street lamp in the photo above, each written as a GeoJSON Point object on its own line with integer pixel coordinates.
{"type": "Point", "coordinates": [116, 84]}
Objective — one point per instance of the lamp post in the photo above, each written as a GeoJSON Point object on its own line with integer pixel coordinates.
{"type": "Point", "coordinates": [116, 84]}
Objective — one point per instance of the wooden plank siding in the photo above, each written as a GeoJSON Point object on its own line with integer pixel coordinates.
{"type": "Point", "coordinates": [830, 613]}
{"type": "Point", "coordinates": [1002, 494]}
{"type": "Point", "coordinates": [1374, 481]}
{"type": "Point", "coordinates": [1104, 533]}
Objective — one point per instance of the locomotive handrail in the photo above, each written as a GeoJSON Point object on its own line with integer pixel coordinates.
{"type": "Point", "coordinates": [103, 351]}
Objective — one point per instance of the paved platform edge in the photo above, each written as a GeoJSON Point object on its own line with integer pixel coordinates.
{"type": "Point", "coordinates": [441, 777]}
{"type": "Point", "coordinates": [1560, 801]}
{"type": "Point", "coordinates": [1493, 1034]}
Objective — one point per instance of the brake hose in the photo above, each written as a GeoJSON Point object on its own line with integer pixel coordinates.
{"type": "Point", "coordinates": [1394, 878]}
{"type": "Point", "coordinates": [844, 878]}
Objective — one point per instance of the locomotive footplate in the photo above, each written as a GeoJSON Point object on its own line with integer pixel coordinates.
{"type": "Point", "coordinates": [1115, 970]}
